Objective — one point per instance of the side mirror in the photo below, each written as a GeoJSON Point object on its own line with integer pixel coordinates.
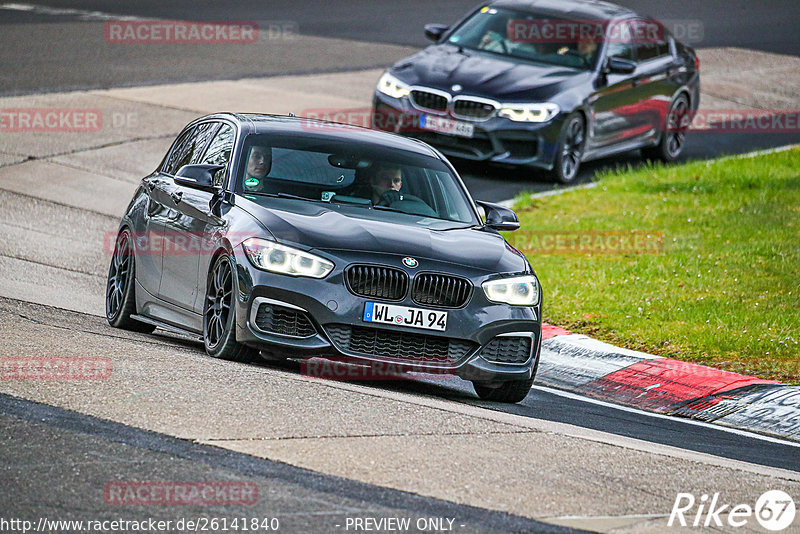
{"type": "Point", "coordinates": [499, 217]}
{"type": "Point", "coordinates": [198, 176]}
{"type": "Point", "coordinates": [618, 65]}
{"type": "Point", "coordinates": [434, 32]}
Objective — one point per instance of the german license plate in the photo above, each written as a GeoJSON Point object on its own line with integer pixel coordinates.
{"type": "Point", "coordinates": [445, 125]}
{"type": "Point", "coordinates": [375, 312]}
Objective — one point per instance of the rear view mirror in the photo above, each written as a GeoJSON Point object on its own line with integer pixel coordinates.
{"type": "Point", "coordinates": [498, 217]}
{"type": "Point", "coordinates": [198, 176]}
{"type": "Point", "coordinates": [434, 32]}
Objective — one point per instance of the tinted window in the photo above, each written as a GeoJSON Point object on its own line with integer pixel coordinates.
{"type": "Point", "coordinates": [219, 151]}
{"type": "Point", "coordinates": [651, 39]}
{"type": "Point", "coordinates": [646, 51]}
{"type": "Point", "coordinates": [353, 174]}
{"type": "Point", "coordinates": [531, 36]}
{"type": "Point", "coordinates": [620, 42]}
{"type": "Point", "coordinates": [189, 147]}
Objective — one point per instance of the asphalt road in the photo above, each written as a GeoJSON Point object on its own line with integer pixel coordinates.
{"type": "Point", "coordinates": [388, 31]}
{"type": "Point", "coordinates": [30, 64]}
{"type": "Point", "coordinates": [46, 52]}
{"type": "Point", "coordinates": [56, 465]}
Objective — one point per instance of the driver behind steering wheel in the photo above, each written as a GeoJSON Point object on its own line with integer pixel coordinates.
{"type": "Point", "coordinates": [385, 183]}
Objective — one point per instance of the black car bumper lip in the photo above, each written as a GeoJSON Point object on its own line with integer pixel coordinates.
{"type": "Point", "coordinates": [473, 327]}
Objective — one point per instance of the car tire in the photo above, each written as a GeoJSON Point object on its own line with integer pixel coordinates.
{"type": "Point", "coordinates": [120, 287]}
{"type": "Point", "coordinates": [571, 143]}
{"type": "Point", "coordinates": [512, 391]}
{"type": "Point", "coordinates": [219, 314]}
{"type": "Point", "coordinates": [673, 139]}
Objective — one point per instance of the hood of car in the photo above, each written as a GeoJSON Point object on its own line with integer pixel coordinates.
{"type": "Point", "coordinates": [338, 227]}
{"type": "Point", "coordinates": [485, 74]}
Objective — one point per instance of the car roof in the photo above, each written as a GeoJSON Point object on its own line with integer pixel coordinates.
{"type": "Point", "coordinates": [574, 9]}
{"type": "Point", "coordinates": [259, 123]}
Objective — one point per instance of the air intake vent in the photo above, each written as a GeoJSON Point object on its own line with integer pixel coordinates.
{"type": "Point", "coordinates": [507, 349]}
{"type": "Point", "coordinates": [284, 321]}
{"type": "Point", "coordinates": [428, 101]}
{"type": "Point", "coordinates": [397, 345]}
{"type": "Point", "coordinates": [472, 109]}
{"type": "Point", "coordinates": [377, 282]}
{"type": "Point", "coordinates": [441, 290]}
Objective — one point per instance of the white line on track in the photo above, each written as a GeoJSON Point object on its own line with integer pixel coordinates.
{"type": "Point", "coordinates": [673, 418]}
{"type": "Point", "coordinates": [58, 11]}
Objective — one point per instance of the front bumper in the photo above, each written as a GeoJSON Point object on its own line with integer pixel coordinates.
{"type": "Point", "coordinates": [497, 139]}
{"type": "Point", "coordinates": [303, 316]}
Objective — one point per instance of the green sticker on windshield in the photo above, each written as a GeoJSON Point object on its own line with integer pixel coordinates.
{"type": "Point", "coordinates": [251, 182]}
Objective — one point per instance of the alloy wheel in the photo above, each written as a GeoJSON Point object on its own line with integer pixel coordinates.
{"type": "Point", "coordinates": [118, 275]}
{"type": "Point", "coordinates": [572, 150]}
{"type": "Point", "coordinates": [218, 302]}
{"type": "Point", "coordinates": [677, 125]}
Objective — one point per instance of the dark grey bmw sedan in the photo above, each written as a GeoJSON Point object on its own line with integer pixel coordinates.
{"type": "Point", "coordinates": [301, 238]}
{"type": "Point", "coordinates": [545, 84]}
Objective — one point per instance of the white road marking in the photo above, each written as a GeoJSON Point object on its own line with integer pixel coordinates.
{"type": "Point", "coordinates": [57, 11]}
{"type": "Point", "coordinates": [673, 418]}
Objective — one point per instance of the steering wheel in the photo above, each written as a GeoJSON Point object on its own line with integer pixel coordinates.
{"type": "Point", "coordinates": [575, 53]}
{"type": "Point", "coordinates": [391, 196]}
{"type": "Point", "coordinates": [497, 38]}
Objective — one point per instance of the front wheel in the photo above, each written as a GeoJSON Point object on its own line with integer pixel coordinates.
{"type": "Point", "coordinates": [512, 391]}
{"type": "Point", "coordinates": [120, 290]}
{"type": "Point", "coordinates": [673, 138]}
{"type": "Point", "coordinates": [571, 143]}
{"type": "Point", "coordinates": [219, 315]}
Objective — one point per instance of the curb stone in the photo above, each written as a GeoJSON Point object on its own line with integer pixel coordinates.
{"type": "Point", "coordinates": [586, 366]}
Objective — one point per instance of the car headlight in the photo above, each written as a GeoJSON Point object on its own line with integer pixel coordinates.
{"type": "Point", "coordinates": [389, 85]}
{"type": "Point", "coordinates": [517, 291]}
{"type": "Point", "coordinates": [529, 112]}
{"type": "Point", "coordinates": [277, 258]}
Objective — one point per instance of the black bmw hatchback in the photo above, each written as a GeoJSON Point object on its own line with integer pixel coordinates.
{"type": "Point", "coordinates": [544, 84]}
{"type": "Point", "coordinates": [300, 238]}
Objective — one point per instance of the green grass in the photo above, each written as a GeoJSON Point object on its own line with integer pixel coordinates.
{"type": "Point", "coordinates": [724, 291]}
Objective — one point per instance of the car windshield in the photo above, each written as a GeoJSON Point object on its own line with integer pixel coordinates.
{"type": "Point", "coordinates": [531, 37]}
{"type": "Point", "coordinates": [365, 175]}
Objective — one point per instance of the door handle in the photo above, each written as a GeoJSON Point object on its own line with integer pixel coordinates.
{"type": "Point", "coordinates": [176, 196]}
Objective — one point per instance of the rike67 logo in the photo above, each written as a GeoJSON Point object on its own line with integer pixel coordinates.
{"type": "Point", "coordinates": [774, 510]}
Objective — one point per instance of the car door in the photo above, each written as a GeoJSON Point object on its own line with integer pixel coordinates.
{"type": "Point", "coordinates": [150, 244]}
{"type": "Point", "coordinates": [183, 224]}
{"type": "Point", "coordinates": [214, 225]}
{"type": "Point", "coordinates": [656, 68]}
{"type": "Point", "coordinates": [616, 114]}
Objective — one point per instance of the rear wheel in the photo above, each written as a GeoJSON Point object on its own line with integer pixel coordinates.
{"type": "Point", "coordinates": [219, 315]}
{"type": "Point", "coordinates": [120, 290]}
{"type": "Point", "coordinates": [511, 391]}
{"type": "Point", "coordinates": [673, 138]}
{"type": "Point", "coordinates": [572, 141]}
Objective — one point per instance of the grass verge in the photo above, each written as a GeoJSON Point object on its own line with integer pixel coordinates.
{"type": "Point", "coordinates": [698, 262]}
